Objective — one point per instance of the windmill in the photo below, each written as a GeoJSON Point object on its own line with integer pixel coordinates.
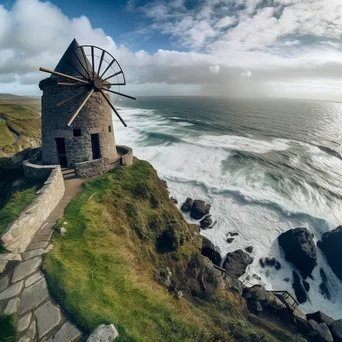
{"type": "Point", "coordinates": [76, 108]}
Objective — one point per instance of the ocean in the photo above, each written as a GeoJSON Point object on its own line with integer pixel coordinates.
{"type": "Point", "coordinates": [264, 165]}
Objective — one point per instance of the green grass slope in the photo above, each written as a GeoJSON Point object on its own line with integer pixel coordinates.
{"type": "Point", "coordinates": [102, 270]}
{"type": "Point", "coordinates": [20, 114]}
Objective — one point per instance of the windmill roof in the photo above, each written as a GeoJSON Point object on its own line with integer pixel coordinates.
{"type": "Point", "coordinates": [70, 63]}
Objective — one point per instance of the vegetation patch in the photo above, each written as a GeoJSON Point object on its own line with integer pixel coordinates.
{"type": "Point", "coordinates": [102, 270]}
{"type": "Point", "coordinates": [8, 331]}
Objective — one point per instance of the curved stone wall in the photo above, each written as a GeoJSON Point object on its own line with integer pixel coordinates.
{"type": "Point", "coordinates": [126, 155]}
{"type": "Point", "coordinates": [20, 233]}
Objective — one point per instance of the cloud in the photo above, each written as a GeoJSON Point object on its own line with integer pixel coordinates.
{"type": "Point", "coordinates": [241, 47]}
{"type": "Point", "coordinates": [247, 74]}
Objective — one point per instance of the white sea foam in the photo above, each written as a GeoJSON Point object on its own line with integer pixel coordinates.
{"type": "Point", "coordinates": [243, 200]}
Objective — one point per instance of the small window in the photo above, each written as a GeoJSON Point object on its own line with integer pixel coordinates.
{"type": "Point", "coordinates": [77, 132]}
{"type": "Point", "coordinates": [109, 129]}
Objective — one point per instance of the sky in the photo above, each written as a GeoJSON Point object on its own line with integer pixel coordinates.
{"type": "Point", "coordinates": [231, 48]}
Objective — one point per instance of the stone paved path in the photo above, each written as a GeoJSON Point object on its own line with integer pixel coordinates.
{"type": "Point", "coordinates": [23, 288]}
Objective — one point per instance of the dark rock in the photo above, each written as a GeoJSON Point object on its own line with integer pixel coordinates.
{"type": "Point", "coordinates": [270, 261]}
{"type": "Point", "coordinates": [174, 200]}
{"type": "Point", "coordinates": [303, 326]}
{"type": "Point", "coordinates": [256, 293]}
{"type": "Point", "coordinates": [331, 246]}
{"type": "Point", "coordinates": [300, 249]}
{"type": "Point", "coordinates": [320, 317]}
{"type": "Point", "coordinates": [163, 276]}
{"type": "Point", "coordinates": [262, 262]}
{"type": "Point", "coordinates": [323, 289]}
{"type": "Point", "coordinates": [255, 306]}
{"type": "Point", "coordinates": [324, 333]}
{"type": "Point", "coordinates": [230, 240]}
{"type": "Point", "coordinates": [164, 183]}
{"type": "Point", "coordinates": [210, 251]}
{"type": "Point", "coordinates": [306, 286]}
{"type": "Point", "coordinates": [255, 276]}
{"type": "Point", "coordinates": [236, 263]}
{"type": "Point", "coordinates": [277, 265]}
{"type": "Point", "coordinates": [206, 222]}
{"type": "Point", "coordinates": [168, 241]}
{"type": "Point", "coordinates": [187, 205]}
{"type": "Point", "coordinates": [298, 288]}
{"type": "Point", "coordinates": [249, 249]}
{"type": "Point", "coordinates": [199, 209]}
{"type": "Point", "coordinates": [233, 233]}
{"type": "Point", "coordinates": [336, 330]}
{"type": "Point", "coordinates": [313, 324]}
{"type": "Point", "coordinates": [287, 279]}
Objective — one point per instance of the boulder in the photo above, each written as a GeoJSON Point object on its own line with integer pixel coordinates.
{"type": "Point", "coordinates": [324, 333]}
{"type": "Point", "coordinates": [249, 249]}
{"type": "Point", "coordinates": [320, 317]}
{"type": "Point", "coordinates": [306, 286]}
{"type": "Point", "coordinates": [230, 240]}
{"type": "Point", "coordinates": [187, 205]}
{"type": "Point", "coordinates": [163, 276]}
{"type": "Point", "coordinates": [105, 333]}
{"type": "Point", "coordinates": [233, 233]}
{"type": "Point", "coordinates": [300, 249]}
{"type": "Point", "coordinates": [236, 263]}
{"type": "Point", "coordinates": [210, 251]}
{"type": "Point", "coordinates": [336, 330]}
{"type": "Point", "coordinates": [299, 289]}
{"type": "Point", "coordinates": [331, 247]}
{"type": "Point", "coordinates": [199, 209]}
{"type": "Point", "coordinates": [206, 222]}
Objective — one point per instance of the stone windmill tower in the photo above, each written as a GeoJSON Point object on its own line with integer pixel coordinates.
{"type": "Point", "coordinates": [77, 127]}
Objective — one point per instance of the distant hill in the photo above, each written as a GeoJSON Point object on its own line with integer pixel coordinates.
{"type": "Point", "coordinates": [20, 123]}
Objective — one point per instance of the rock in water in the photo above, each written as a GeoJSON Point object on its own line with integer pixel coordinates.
{"type": "Point", "coordinates": [249, 249]}
{"type": "Point", "coordinates": [299, 249]}
{"type": "Point", "coordinates": [236, 263]}
{"type": "Point", "coordinates": [103, 333]}
{"type": "Point", "coordinates": [210, 251]}
{"type": "Point", "coordinates": [199, 209]}
{"type": "Point", "coordinates": [331, 247]}
{"type": "Point", "coordinates": [336, 330]}
{"type": "Point", "coordinates": [298, 288]}
{"type": "Point", "coordinates": [187, 205]}
{"type": "Point", "coordinates": [206, 222]}
{"type": "Point", "coordinates": [320, 317]}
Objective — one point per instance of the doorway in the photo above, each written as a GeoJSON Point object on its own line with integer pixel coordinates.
{"type": "Point", "coordinates": [95, 146]}
{"type": "Point", "coordinates": [61, 152]}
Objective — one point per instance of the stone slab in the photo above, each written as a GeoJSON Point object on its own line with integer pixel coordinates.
{"type": "Point", "coordinates": [33, 253]}
{"type": "Point", "coordinates": [48, 317]}
{"type": "Point", "coordinates": [24, 322]}
{"type": "Point", "coordinates": [4, 281]}
{"type": "Point", "coordinates": [103, 333]}
{"type": "Point", "coordinates": [26, 268]}
{"type": "Point", "coordinates": [10, 257]}
{"type": "Point", "coordinates": [67, 333]}
{"type": "Point", "coordinates": [25, 339]}
{"type": "Point", "coordinates": [37, 245]}
{"type": "Point", "coordinates": [41, 238]}
{"type": "Point", "coordinates": [32, 331]}
{"type": "Point", "coordinates": [34, 278]}
{"type": "Point", "coordinates": [32, 296]}
{"type": "Point", "coordinates": [12, 291]}
{"type": "Point", "coordinates": [12, 306]}
{"type": "Point", "coordinates": [3, 265]}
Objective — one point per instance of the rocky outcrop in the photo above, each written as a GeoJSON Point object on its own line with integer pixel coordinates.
{"type": "Point", "coordinates": [236, 263]}
{"type": "Point", "coordinates": [206, 222]}
{"type": "Point", "coordinates": [105, 333]}
{"type": "Point", "coordinates": [187, 205]}
{"type": "Point", "coordinates": [331, 247]}
{"type": "Point", "coordinates": [320, 317]}
{"type": "Point", "coordinates": [299, 249]}
{"type": "Point", "coordinates": [323, 286]}
{"type": "Point", "coordinates": [270, 262]}
{"type": "Point", "coordinates": [210, 251]}
{"type": "Point", "coordinates": [298, 288]}
{"type": "Point", "coordinates": [163, 276]}
{"type": "Point", "coordinates": [199, 209]}
{"type": "Point", "coordinates": [336, 330]}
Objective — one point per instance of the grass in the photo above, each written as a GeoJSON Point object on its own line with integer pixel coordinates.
{"type": "Point", "coordinates": [7, 329]}
{"type": "Point", "coordinates": [18, 201]}
{"type": "Point", "coordinates": [101, 271]}
{"type": "Point", "coordinates": [22, 115]}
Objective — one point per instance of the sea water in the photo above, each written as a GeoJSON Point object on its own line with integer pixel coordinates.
{"type": "Point", "coordinates": [265, 166]}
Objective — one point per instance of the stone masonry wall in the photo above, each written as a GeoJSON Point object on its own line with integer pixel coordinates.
{"type": "Point", "coordinates": [126, 154]}
{"type": "Point", "coordinates": [20, 233]}
{"type": "Point", "coordinates": [92, 168]}
{"type": "Point", "coordinates": [95, 117]}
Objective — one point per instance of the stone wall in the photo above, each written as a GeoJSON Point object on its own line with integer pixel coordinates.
{"type": "Point", "coordinates": [94, 118]}
{"type": "Point", "coordinates": [92, 168]}
{"type": "Point", "coordinates": [20, 233]}
{"type": "Point", "coordinates": [126, 154]}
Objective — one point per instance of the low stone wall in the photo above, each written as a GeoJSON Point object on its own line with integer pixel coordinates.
{"type": "Point", "coordinates": [92, 168]}
{"type": "Point", "coordinates": [126, 153]}
{"type": "Point", "coordinates": [20, 233]}
{"type": "Point", "coordinates": [100, 166]}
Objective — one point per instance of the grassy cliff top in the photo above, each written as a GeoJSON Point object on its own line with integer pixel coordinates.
{"type": "Point", "coordinates": [19, 116]}
{"type": "Point", "coordinates": [102, 270]}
